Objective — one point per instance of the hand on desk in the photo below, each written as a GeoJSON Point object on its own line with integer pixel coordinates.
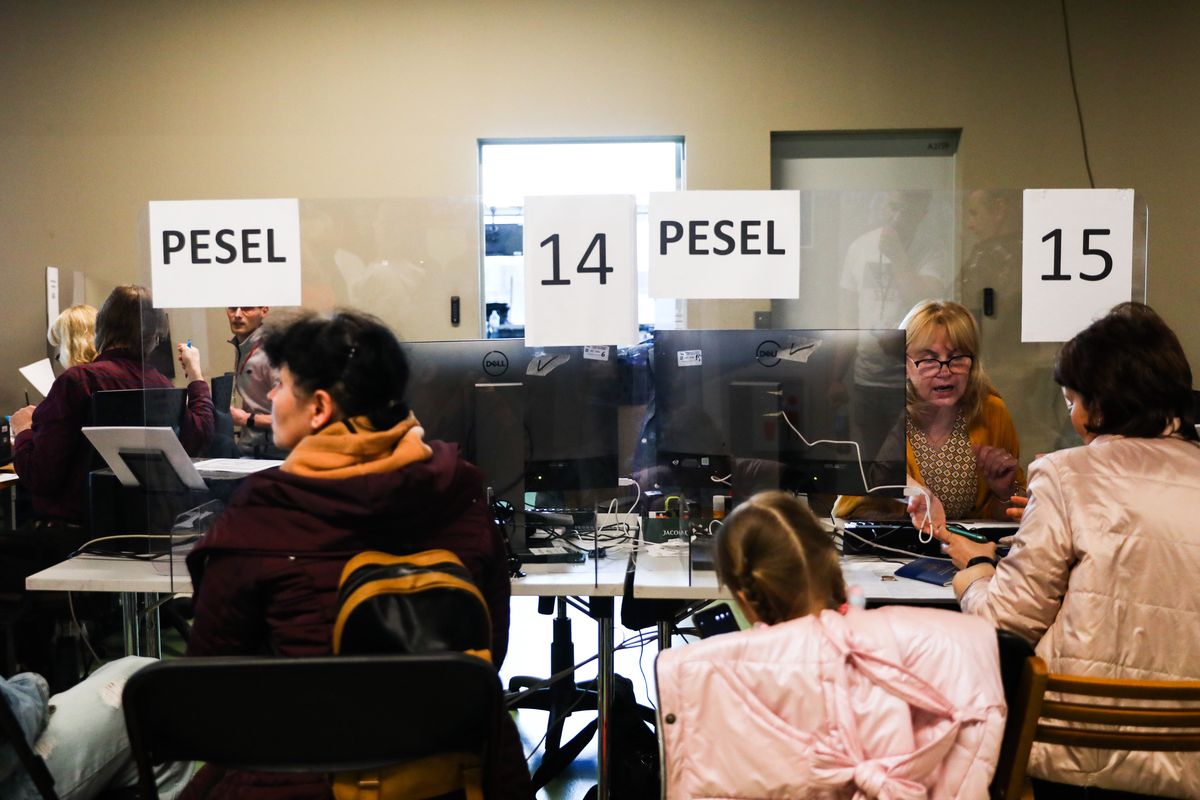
{"type": "Point", "coordinates": [961, 549]}
{"type": "Point", "coordinates": [21, 421]}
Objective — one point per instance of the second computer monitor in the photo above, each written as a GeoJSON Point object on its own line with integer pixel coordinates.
{"type": "Point", "coordinates": [738, 411]}
{"type": "Point", "coordinates": [545, 418]}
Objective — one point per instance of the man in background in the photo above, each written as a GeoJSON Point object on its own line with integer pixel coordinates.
{"type": "Point", "coordinates": [253, 379]}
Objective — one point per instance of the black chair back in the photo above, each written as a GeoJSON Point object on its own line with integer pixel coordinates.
{"type": "Point", "coordinates": [325, 714]}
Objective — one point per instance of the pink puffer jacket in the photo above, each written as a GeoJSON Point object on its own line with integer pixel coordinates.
{"type": "Point", "coordinates": [896, 703]}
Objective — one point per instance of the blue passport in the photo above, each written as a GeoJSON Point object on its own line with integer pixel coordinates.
{"type": "Point", "coordinates": [930, 570]}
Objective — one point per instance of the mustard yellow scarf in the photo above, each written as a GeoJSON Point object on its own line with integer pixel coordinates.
{"type": "Point", "coordinates": [345, 451]}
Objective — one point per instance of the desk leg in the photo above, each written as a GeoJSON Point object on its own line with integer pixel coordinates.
{"type": "Point", "coordinates": [140, 626]}
{"type": "Point", "coordinates": [602, 610]}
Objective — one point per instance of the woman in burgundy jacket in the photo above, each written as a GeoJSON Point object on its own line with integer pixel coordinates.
{"type": "Point", "coordinates": [359, 477]}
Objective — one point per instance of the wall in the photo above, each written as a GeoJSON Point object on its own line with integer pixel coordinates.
{"type": "Point", "coordinates": [107, 106]}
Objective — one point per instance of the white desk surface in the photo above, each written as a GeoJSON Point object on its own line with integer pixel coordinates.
{"type": "Point", "coordinates": [88, 573]}
{"type": "Point", "coordinates": [665, 577]}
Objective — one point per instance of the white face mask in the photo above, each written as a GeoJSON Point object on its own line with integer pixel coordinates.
{"type": "Point", "coordinates": [64, 358]}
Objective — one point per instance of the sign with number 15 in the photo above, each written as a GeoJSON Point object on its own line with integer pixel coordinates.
{"type": "Point", "coordinates": [580, 270]}
{"type": "Point", "coordinates": [1077, 259]}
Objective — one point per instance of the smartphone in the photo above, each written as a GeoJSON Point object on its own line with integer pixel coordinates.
{"type": "Point", "coordinates": [974, 536]}
{"type": "Point", "coordinates": [715, 619]}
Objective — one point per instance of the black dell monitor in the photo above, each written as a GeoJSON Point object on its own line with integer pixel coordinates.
{"type": "Point", "coordinates": [739, 411]}
{"type": "Point", "coordinates": [533, 419]}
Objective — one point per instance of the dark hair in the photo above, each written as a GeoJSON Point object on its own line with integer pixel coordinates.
{"type": "Point", "coordinates": [129, 319]}
{"type": "Point", "coordinates": [351, 355]}
{"type": "Point", "coordinates": [1131, 373]}
{"type": "Point", "coordinates": [773, 551]}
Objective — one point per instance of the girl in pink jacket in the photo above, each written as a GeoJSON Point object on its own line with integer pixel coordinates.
{"type": "Point", "coordinates": [820, 699]}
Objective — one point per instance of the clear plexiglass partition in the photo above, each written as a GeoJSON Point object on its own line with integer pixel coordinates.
{"type": "Point", "coordinates": [632, 433]}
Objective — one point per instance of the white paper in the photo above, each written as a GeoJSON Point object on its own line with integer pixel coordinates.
{"type": "Point", "coordinates": [1058, 303]}
{"type": "Point", "coordinates": [258, 239]}
{"type": "Point", "coordinates": [542, 365]}
{"type": "Point", "coordinates": [6, 477]}
{"type": "Point", "coordinates": [52, 309]}
{"type": "Point", "coordinates": [596, 352]}
{"type": "Point", "coordinates": [576, 308]}
{"type": "Point", "coordinates": [713, 245]}
{"type": "Point", "coordinates": [799, 351]}
{"type": "Point", "coordinates": [109, 441]}
{"type": "Point", "coordinates": [237, 466]}
{"type": "Point", "coordinates": [40, 374]}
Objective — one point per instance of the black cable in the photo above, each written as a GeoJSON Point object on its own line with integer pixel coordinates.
{"type": "Point", "coordinates": [1087, 162]}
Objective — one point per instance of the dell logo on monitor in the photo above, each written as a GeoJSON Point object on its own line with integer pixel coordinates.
{"type": "Point", "coordinates": [495, 363]}
{"type": "Point", "coordinates": [767, 353]}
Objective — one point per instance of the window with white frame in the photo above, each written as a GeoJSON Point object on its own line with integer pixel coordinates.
{"type": "Point", "coordinates": [510, 170]}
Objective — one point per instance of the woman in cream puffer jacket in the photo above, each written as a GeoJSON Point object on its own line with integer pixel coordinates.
{"type": "Point", "coordinates": [1103, 570]}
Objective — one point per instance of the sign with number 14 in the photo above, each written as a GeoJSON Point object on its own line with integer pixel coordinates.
{"type": "Point", "coordinates": [1077, 259]}
{"type": "Point", "coordinates": [580, 270]}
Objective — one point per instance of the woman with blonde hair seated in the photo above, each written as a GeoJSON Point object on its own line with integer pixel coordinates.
{"type": "Point", "coordinates": [822, 698]}
{"type": "Point", "coordinates": [962, 447]}
{"type": "Point", "coordinates": [74, 335]}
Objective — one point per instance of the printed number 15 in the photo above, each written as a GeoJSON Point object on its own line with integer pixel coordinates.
{"type": "Point", "coordinates": [1088, 250]}
{"type": "Point", "coordinates": [599, 240]}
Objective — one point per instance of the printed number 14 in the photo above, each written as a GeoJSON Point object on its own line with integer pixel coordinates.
{"type": "Point", "coordinates": [599, 240]}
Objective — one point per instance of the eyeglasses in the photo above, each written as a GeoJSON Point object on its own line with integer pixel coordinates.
{"type": "Point", "coordinates": [928, 367]}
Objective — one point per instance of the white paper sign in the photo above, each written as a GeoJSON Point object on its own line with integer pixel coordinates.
{"type": "Point", "coordinates": [1077, 259]}
{"type": "Point", "coordinates": [40, 374]}
{"type": "Point", "coordinates": [52, 309]}
{"type": "Point", "coordinates": [216, 253]}
{"type": "Point", "coordinates": [725, 244]}
{"type": "Point", "coordinates": [580, 270]}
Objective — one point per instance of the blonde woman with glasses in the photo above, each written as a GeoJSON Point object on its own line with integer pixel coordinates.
{"type": "Point", "coordinates": [962, 446]}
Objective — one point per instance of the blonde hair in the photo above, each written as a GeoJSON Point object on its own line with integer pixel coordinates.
{"type": "Point", "coordinates": [921, 326]}
{"type": "Point", "coordinates": [74, 333]}
{"type": "Point", "coordinates": [773, 552]}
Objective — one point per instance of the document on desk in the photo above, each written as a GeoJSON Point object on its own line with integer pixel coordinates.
{"type": "Point", "coordinates": [236, 466]}
{"type": "Point", "coordinates": [40, 374]}
{"type": "Point", "coordinates": [5, 477]}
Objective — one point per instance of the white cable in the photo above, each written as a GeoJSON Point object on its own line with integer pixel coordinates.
{"type": "Point", "coordinates": [863, 474]}
{"type": "Point", "coordinates": [638, 499]}
{"type": "Point", "coordinates": [726, 480]}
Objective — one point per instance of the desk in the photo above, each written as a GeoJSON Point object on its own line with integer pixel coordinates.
{"type": "Point", "coordinates": [142, 585]}
{"type": "Point", "coordinates": [665, 577]}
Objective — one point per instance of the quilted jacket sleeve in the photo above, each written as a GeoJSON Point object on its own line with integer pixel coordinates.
{"type": "Point", "coordinates": [1027, 590]}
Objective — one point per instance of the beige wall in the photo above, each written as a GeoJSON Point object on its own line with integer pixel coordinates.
{"type": "Point", "coordinates": [104, 106]}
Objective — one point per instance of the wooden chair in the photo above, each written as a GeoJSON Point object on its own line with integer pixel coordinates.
{"type": "Point", "coordinates": [322, 714]}
{"type": "Point", "coordinates": [1028, 718]}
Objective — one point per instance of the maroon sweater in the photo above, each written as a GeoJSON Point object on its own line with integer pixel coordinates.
{"type": "Point", "coordinates": [52, 457]}
{"type": "Point", "coordinates": [265, 579]}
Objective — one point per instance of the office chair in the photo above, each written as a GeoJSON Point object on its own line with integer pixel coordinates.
{"type": "Point", "coordinates": [323, 714]}
{"type": "Point", "coordinates": [1028, 715]}
{"type": "Point", "coordinates": [13, 736]}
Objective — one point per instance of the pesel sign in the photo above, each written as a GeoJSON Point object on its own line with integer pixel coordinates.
{"type": "Point", "coordinates": [726, 244]}
{"type": "Point", "coordinates": [216, 253]}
